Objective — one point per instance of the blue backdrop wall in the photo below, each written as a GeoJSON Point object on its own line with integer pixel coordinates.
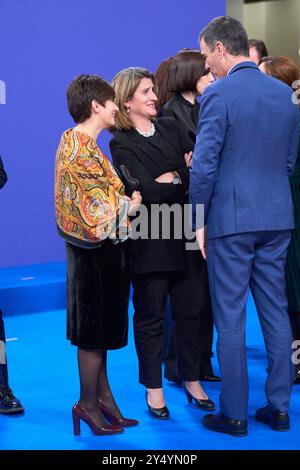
{"type": "Point", "coordinates": [44, 44]}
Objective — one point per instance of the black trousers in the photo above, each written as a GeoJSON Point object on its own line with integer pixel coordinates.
{"type": "Point", "coordinates": [150, 295]}
{"type": "Point", "coordinates": [3, 362]}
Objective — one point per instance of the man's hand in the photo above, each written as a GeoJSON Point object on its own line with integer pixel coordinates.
{"type": "Point", "coordinates": [201, 238]}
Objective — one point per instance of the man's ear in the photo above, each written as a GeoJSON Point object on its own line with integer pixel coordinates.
{"type": "Point", "coordinates": [219, 47]}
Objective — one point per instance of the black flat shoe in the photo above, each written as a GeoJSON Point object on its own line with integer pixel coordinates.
{"type": "Point", "coordinates": [278, 420]}
{"type": "Point", "coordinates": [207, 405]}
{"type": "Point", "coordinates": [210, 378]}
{"type": "Point", "coordinates": [159, 413]}
{"type": "Point", "coordinates": [220, 423]}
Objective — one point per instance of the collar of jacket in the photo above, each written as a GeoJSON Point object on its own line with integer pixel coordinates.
{"type": "Point", "coordinates": [243, 65]}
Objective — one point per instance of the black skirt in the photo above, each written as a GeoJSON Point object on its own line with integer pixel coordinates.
{"type": "Point", "coordinates": [98, 284]}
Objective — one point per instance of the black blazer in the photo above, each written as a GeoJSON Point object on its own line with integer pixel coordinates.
{"type": "Point", "coordinates": [146, 163]}
{"type": "Point", "coordinates": [3, 175]}
{"type": "Point", "coordinates": [185, 113]}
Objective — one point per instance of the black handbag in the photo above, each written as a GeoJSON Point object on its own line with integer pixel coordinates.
{"type": "Point", "coordinates": [131, 184]}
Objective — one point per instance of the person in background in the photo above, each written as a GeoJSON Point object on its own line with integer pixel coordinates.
{"type": "Point", "coordinates": [158, 153]}
{"type": "Point", "coordinates": [248, 213]}
{"type": "Point", "coordinates": [9, 404]}
{"type": "Point", "coordinates": [161, 78]}
{"type": "Point", "coordinates": [92, 217]}
{"type": "Point", "coordinates": [284, 69]}
{"type": "Point", "coordinates": [188, 78]}
{"type": "Point", "coordinates": [257, 50]}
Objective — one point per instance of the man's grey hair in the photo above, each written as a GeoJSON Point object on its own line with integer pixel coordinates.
{"type": "Point", "coordinates": [230, 32]}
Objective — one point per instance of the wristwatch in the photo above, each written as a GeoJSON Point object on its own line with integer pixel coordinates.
{"type": "Point", "coordinates": [176, 179]}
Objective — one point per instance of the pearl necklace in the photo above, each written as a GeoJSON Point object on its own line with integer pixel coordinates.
{"type": "Point", "coordinates": [149, 133]}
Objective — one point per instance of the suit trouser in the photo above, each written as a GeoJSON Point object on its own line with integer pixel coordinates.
{"type": "Point", "coordinates": [3, 363]}
{"type": "Point", "coordinates": [149, 300]}
{"type": "Point", "coordinates": [235, 263]}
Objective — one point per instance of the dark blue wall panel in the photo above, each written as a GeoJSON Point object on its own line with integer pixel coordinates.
{"type": "Point", "coordinates": [44, 44]}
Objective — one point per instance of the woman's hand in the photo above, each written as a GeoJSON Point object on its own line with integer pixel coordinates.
{"type": "Point", "coordinates": [188, 158]}
{"type": "Point", "coordinates": [167, 177]}
{"type": "Point", "coordinates": [201, 238]}
{"type": "Point", "coordinates": [134, 202]}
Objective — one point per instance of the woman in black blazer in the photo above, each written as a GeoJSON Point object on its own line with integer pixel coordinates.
{"type": "Point", "coordinates": [187, 78]}
{"type": "Point", "coordinates": [157, 154]}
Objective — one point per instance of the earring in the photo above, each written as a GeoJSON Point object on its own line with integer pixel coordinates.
{"type": "Point", "coordinates": [127, 109]}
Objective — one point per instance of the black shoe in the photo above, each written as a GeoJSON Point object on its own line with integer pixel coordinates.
{"type": "Point", "coordinates": [9, 404]}
{"type": "Point", "coordinates": [220, 423]}
{"type": "Point", "coordinates": [160, 413]}
{"type": "Point", "coordinates": [275, 418]}
{"type": "Point", "coordinates": [210, 378]}
{"type": "Point", "coordinates": [207, 405]}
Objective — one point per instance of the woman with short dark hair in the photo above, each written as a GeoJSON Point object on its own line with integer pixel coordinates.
{"type": "Point", "coordinates": [188, 78]}
{"type": "Point", "coordinates": [92, 217]}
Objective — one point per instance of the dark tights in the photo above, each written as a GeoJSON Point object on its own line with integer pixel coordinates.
{"type": "Point", "coordinates": [94, 385]}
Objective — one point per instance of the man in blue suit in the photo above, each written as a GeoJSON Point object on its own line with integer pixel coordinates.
{"type": "Point", "coordinates": [245, 151]}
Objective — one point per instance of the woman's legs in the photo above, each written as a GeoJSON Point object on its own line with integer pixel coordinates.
{"type": "Point", "coordinates": [188, 297]}
{"type": "Point", "coordinates": [149, 300]}
{"type": "Point", "coordinates": [104, 392]}
{"type": "Point", "coordinates": [90, 362]}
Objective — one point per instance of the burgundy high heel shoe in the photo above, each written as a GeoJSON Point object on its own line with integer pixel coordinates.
{"type": "Point", "coordinates": [79, 413]}
{"type": "Point", "coordinates": [123, 422]}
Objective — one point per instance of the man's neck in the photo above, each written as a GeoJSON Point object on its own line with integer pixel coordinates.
{"type": "Point", "coordinates": [236, 61]}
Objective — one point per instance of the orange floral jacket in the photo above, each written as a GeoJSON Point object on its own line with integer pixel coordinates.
{"type": "Point", "coordinates": [89, 196]}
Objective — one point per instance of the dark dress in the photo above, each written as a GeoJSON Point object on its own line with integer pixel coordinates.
{"type": "Point", "coordinates": [162, 267]}
{"type": "Point", "coordinates": [98, 295]}
{"type": "Point", "coordinates": [186, 114]}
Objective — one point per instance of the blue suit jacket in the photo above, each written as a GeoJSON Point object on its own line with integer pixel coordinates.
{"type": "Point", "coordinates": [245, 151]}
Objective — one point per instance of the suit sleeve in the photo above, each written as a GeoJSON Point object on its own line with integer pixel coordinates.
{"type": "Point", "coordinates": [152, 191]}
{"type": "Point", "coordinates": [211, 132]}
{"type": "Point", "coordinates": [3, 175]}
{"type": "Point", "coordinates": [294, 145]}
